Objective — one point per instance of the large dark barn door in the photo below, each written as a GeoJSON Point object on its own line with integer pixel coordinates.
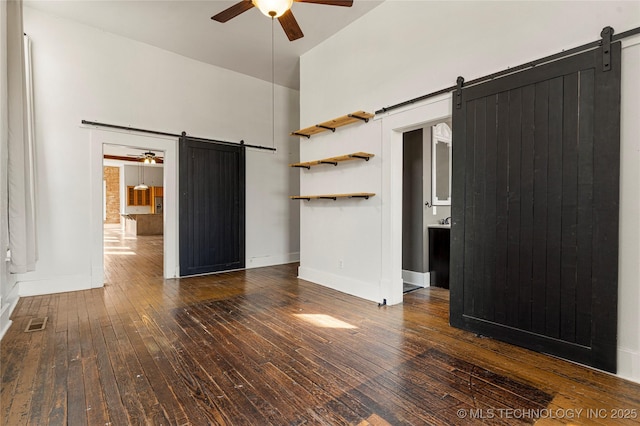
{"type": "Point", "coordinates": [212, 207]}
{"type": "Point", "coordinates": [534, 247]}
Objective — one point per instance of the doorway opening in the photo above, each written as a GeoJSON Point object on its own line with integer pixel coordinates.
{"type": "Point", "coordinates": [162, 188]}
{"type": "Point", "coordinates": [433, 110]}
{"type": "Point", "coordinates": [426, 205]}
{"type": "Point", "coordinates": [133, 214]}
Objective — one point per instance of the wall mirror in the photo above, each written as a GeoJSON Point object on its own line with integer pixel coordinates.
{"type": "Point", "coordinates": [441, 165]}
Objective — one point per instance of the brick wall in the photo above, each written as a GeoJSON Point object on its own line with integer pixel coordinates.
{"type": "Point", "coordinates": [112, 178]}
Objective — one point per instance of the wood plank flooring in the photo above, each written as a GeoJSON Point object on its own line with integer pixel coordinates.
{"type": "Point", "coordinates": [260, 347]}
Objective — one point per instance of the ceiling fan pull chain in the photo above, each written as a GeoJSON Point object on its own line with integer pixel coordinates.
{"type": "Point", "coordinates": [273, 87]}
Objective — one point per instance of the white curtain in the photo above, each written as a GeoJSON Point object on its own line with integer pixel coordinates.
{"type": "Point", "coordinates": [4, 147]}
{"type": "Point", "coordinates": [17, 136]}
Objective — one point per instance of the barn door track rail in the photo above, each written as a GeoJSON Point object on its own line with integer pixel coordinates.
{"type": "Point", "coordinates": [607, 35]}
{"type": "Point", "coordinates": [155, 132]}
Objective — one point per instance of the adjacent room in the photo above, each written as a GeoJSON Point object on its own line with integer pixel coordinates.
{"type": "Point", "coordinates": [320, 212]}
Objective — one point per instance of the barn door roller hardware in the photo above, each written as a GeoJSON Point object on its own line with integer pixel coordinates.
{"type": "Point", "coordinates": [460, 82]}
{"type": "Point", "coordinates": [607, 34]}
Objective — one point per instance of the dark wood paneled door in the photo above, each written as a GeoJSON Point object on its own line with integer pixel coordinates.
{"type": "Point", "coordinates": [212, 207]}
{"type": "Point", "coordinates": [534, 252]}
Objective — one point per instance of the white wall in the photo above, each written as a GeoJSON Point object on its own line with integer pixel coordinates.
{"type": "Point", "coordinates": [441, 40]}
{"type": "Point", "coordinates": [629, 252]}
{"type": "Point", "coordinates": [84, 73]}
{"type": "Point", "coordinates": [149, 175]}
{"type": "Point", "coordinates": [340, 241]}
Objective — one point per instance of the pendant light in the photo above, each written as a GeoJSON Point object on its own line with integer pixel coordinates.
{"type": "Point", "coordinates": [140, 186]}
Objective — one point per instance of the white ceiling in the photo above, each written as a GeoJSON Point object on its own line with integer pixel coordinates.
{"type": "Point", "coordinates": [242, 44]}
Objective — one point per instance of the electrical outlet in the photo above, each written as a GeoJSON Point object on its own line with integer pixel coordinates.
{"type": "Point", "coordinates": [340, 264]}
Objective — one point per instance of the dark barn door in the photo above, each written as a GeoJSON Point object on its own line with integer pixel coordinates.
{"type": "Point", "coordinates": [534, 252]}
{"type": "Point", "coordinates": [212, 207]}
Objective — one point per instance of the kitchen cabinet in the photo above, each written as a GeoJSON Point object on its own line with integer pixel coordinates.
{"type": "Point", "coordinates": [439, 240]}
{"type": "Point", "coordinates": [139, 197]}
{"type": "Point", "coordinates": [145, 197]}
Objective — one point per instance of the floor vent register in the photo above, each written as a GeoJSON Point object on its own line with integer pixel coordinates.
{"type": "Point", "coordinates": [36, 324]}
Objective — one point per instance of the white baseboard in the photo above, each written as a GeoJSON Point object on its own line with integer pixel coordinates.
{"type": "Point", "coordinates": [55, 285]}
{"type": "Point", "coordinates": [272, 260]}
{"type": "Point", "coordinates": [7, 309]}
{"type": "Point", "coordinates": [421, 279]}
{"type": "Point", "coordinates": [629, 364]}
{"type": "Point", "coordinates": [363, 289]}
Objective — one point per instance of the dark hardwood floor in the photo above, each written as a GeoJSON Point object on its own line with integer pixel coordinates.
{"type": "Point", "coordinates": [261, 347]}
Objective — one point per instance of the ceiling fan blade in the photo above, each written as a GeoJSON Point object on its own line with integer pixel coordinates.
{"type": "Point", "coordinates": [233, 11]}
{"type": "Point", "coordinates": [345, 3]}
{"type": "Point", "coordinates": [290, 26]}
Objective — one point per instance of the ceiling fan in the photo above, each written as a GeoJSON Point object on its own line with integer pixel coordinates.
{"type": "Point", "coordinates": [147, 157]}
{"type": "Point", "coordinates": [280, 9]}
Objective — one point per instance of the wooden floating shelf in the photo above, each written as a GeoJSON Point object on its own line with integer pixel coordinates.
{"type": "Point", "coordinates": [365, 195]}
{"type": "Point", "coordinates": [334, 160]}
{"type": "Point", "coordinates": [332, 125]}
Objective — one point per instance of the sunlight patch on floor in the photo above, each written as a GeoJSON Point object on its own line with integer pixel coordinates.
{"type": "Point", "coordinates": [324, 321]}
{"type": "Point", "coordinates": [374, 420]}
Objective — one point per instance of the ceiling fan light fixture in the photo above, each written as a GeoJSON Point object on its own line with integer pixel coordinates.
{"type": "Point", "coordinates": [273, 8]}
